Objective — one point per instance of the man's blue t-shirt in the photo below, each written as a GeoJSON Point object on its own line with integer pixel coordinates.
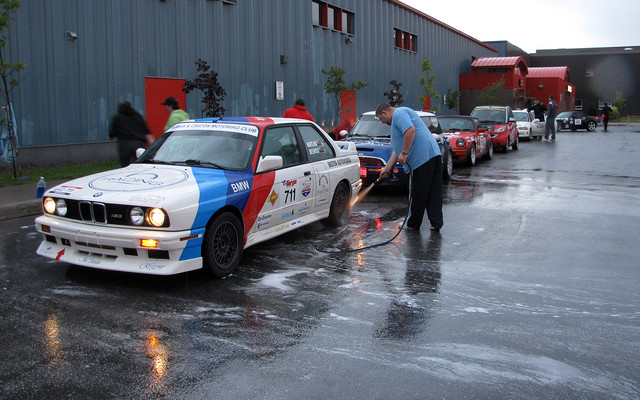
{"type": "Point", "coordinates": [424, 146]}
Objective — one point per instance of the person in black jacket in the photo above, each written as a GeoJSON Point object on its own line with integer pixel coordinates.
{"type": "Point", "coordinates": [132, 133]}
{"type": "Point", "coordinates": [605, 119]}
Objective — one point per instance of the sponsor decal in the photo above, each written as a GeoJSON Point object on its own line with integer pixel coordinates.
{"type": "Point", "coordinates": [338, 162]}
{"type": "Point", "coordinates": [64, 190]}
{"type": "Point", "coordinates": [248, 129]}
{"type": "Point", "coordinates": [90, 260]}
{"type": "Point", "coordinates": [291, 182]}
{"type": "Point", "coordinates": [273, 198]}
{"type": "Point", "coordinates": [146, 200]}
{"type": "Point", "coordinates": [306, 187]}
{"type": "Point", "coordinates": [60, 253]}
{"type": "Point", "coordinates": [151, 267]}
{"type": "Point", "coordinates": [303, 210]}
{"type": "Point", "coordinates": [323, 190]}
{"type": "Point", "coordinates": [240, 186]}
{"type": "Point", "coordinates": [296, 222]}
{"type": "Point", "coordinates": [137, 180]}
{"type": "Point", "coordinates": [264, 217]}
{"type": "Point", "coordinates": [287, 214]}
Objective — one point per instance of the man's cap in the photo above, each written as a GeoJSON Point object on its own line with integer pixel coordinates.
{"type": "Point", "coordinates": [170, 101]}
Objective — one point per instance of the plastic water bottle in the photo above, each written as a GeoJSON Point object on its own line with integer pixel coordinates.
{"type": "Point", "coordinates": [42, 186]}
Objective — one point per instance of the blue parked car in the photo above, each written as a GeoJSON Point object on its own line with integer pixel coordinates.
{"type": "Point", "coordinates": [373, 142]}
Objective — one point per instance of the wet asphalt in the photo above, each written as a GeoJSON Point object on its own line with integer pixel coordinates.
{"type": "Point", "coordinates": [531, 290]}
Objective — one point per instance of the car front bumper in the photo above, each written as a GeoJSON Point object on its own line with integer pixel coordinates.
{"type": "Point", "coordinates": [119, 249]}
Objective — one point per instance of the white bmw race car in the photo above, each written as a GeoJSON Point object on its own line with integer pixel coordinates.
{"type": "Point", "coordinates": [201, 193]}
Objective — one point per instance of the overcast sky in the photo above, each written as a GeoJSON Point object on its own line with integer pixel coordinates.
{"type": "Point", "coordinates": [541, 24]}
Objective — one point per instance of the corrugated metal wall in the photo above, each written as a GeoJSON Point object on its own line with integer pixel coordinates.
{"type": "Point", "coordinates": [70, 89]}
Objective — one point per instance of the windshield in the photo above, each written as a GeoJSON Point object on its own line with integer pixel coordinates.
{"type": "Point", "coordinates": [458, 124]}
{"type": "Point", "coordinates": [370, 126]}
{"type": "Point", "coordinates": [490, 115]}
{"type": "Point", "coordinates": [521, 116]}
{"type": "Point", "coordinates": [203, 148]}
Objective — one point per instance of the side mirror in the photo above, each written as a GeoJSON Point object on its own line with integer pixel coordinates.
{"type": "Point", "coordinates": [139, 152]}
{"type": "Point", "coordinates": [269, 163]}
{"type": "Point", "coordinates": [512, 119]}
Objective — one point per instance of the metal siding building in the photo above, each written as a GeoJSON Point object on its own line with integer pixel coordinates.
{"type": "Point", "coordinates": [70, 88]}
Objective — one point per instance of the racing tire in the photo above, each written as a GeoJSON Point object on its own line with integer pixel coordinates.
{"type": "Point", "coordinates": [223, 245]}
{"type": "Point", "coordinates": [340, 207]}
{"type": "Point", "coordinates": [489, 154]}
{"type": "Point", "coordinates": [447, 166]}
{"type": "Point", "coordinates": [506, 148]}
{"type": "Point", "coordinates": [515, 144]}
{"type": "Point", "coordinates": [471, 159]}
{"type": "Point", "coordinates": [591, 126]}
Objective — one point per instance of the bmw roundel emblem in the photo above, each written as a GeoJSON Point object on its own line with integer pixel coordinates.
{"type": "Point", "coordinates": [97, 194]}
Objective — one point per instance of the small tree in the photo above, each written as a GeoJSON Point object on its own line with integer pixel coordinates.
{"type": "Point", "coordinates": [619, 102]}
{"type": "Point", "coordinates": [428, 83]}
{"type": "Point", "coordinates": [335, 85]}
{"type": "Point", "coordinates": [453, 99]}
{"type": "Point", "coordinates": [394, 95]}
{"type": "Point", "coordinates": [490, 94]}
{"type": "Point", "coordinates": [208, 83]}
{"type": "Point", "coordinates": [7, 70]}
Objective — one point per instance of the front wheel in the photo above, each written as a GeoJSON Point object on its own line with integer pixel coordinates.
{"type": "Point", "coordinates": [489, 154]}
{"type": "Point", "coordinates": [447, 166]}
{"type": "Point", "coordinates": [340, 207]}
{"type": "Point", "coordinates": [591, 126]}
{"type": "Point", "coordinates": [515, 144]}
{"type": "Point", "coordinates": [223, 245]}
{"type": "Point", "coordinates": [471, 160]}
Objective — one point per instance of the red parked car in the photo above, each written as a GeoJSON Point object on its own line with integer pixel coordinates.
{"type": "Point", "coordinates": [467, 139]}
{"type": "Point", "coordinates": [500, 122]}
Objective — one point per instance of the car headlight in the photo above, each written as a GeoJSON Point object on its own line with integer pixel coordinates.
{"type": "Point", "coordinates": [156, 217]}
{"type": "Point", "coordinates": [501, 129]}
{"type": "Point", "coordinates": [460, 142]}
{"type": "Point", "coordinates": [61, 207]}
{"type": "Point", "coordinates": [49, 205]}
{"type": "Point", "coordinates": [136, 215]}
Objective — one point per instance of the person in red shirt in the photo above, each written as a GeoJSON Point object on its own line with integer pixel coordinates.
{"type": "Point", "coordinates": [298, 111]}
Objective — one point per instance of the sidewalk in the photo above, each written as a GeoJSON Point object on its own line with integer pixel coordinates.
{"type": "Point", "coordinates": [20, 200]}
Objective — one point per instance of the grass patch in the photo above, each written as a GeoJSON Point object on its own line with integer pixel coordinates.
{"type": "Point", "coordinates": [32, 175]}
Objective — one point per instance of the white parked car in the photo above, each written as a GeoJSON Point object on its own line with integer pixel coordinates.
{"type": "Point", "coordinates": [528, 127]}
{"type": "Point", "coordinates": [203, 192]}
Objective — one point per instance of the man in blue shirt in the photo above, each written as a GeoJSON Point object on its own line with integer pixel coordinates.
{"type": "Point", "coordinates": [415, 147]}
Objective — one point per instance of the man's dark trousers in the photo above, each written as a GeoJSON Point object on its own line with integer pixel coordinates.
{"type": "Point", "coordinates": [426, 194]}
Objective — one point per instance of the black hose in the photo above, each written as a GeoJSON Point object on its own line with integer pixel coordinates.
{"type": "Point", "coordinates": [321, 247]}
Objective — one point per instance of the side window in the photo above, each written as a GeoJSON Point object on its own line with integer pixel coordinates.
{"type": "Point", "coordinates": [281, 141]}
{"type": "Point", "coordinates": [315, 144]}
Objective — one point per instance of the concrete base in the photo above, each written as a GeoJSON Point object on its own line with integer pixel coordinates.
{"type": "Point", "coordinates": [44, 156]}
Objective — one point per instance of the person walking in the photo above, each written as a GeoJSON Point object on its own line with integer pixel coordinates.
{"type": "Point", "coordinates": [550, 124]}
{"type": "Point", "coordinates": [605, 116]}
{"type": "Point", "coordinates": [415, 147]}
{"type": "Point", "coordinates": [175, 113]}
{"type": "Point", "coordinates": [298, 111]}
{"type": "Point", "coordinates": [132, 132]}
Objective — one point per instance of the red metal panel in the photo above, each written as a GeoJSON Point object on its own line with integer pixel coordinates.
{"type": "Point", "coordinates": [156, 91]}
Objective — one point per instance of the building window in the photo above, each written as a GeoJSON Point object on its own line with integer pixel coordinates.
{"type": "Point", "coordinates": [578, 104]}
{"type": "Point", "coordinates": [589, 72]}
{"type": "Point", "coordinates": [405, 40]}
{"type": "Point", "coordinates": [332, 17]}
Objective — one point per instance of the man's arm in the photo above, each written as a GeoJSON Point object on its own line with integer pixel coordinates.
{"type": "Point", "coordinates": [407, 141]}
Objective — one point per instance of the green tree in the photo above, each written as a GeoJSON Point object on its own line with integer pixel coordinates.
{"type": "Point", "coordinates": [8, 70]}
{"type": "Point", "coordinates": [214, 93]}
{"type": "Point", "coordinates": [453, 99]}
{"type": "Point", "coordinates": [619, 102]}
{"type": "Point", "coordinates": [428, 83]}
{"type": "Point", "coordinates": [490, 95]}
{"type": "Point", "coordinates": [335, 84]}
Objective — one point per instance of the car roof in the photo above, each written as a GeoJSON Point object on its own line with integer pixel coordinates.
{"type": "Point", "coordinates": [258, 121]}
{"type": "Point", "coordinates": [456, 116]}
{"type": "Point", "coordinates": [420, 113]}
